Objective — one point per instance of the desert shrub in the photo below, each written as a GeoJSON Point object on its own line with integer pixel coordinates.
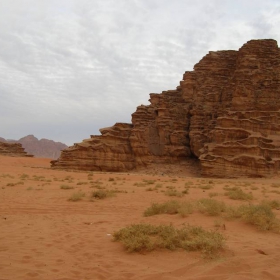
{"type": "Point", "coordinates": [275, 191]}
{"type": "Point", "coordinates": [66, 187]}
{"type": "Point", "coordinates": [246, 184]}
{"type": "Point", "coordinates": [275, 185]}
{"type": "Point", "coordinates": [253, 188]}
{"type": "Point", "coordinates": [82, 183]}
{"type": "Point", "coordinates": [158, 186]}
{"type": "Point", "coordinates": [185, 191]}
{"type": "Point", "coordinates": [173, 192]}
{"type": "Point", "coordinates": [206, 187]}
{"type": "Point", "coordinates": [97, 184]}
{"type": "Point", "coordinates": [38, 178]}
{"type": "Point", "coordinates": [15, 184]}
{"type": "Point", "coordinates": [186, 208]}
{"type": "Point", "coordinates": [77, 196]}
{"type": "Point", "coordinates": [169, 207]}
{"type": "Point", "coordinates": [145, 237]}
{"type": "Point", "coordinates": [274, 204]}
{"type": "Point", "coordinates": [151, 189]}
{"type": "Point", "coordinates": [102, 194]}
{"type": "Point", "coordinates": [149, 182]}
{"type": "Point", "coordinates": [189, 183]}
{"type": "Point", "coordinates": [4, 175]}
{"type": "Point", "coordinates": [111, 179]}
{"type": "Point", "coordinates": [228, 188]}
{"type": "Point", "coordinates": [24, 176]}
{"type": "Point", "coordinates": [239, 194]}
{"type": "Point", "coordinates": [259, 215]}
{"type": "Point", "coordinates": [232, 213]}
{"type": "Point", "coordinates": [212, 194]}
{"type": "Point", "coordinates": [140, 184]}
{"type": "Point", "coordinates": [211, 207]}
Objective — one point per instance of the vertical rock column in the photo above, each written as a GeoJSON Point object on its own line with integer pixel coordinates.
{"type": "Point", "coordinates": [160, 130]}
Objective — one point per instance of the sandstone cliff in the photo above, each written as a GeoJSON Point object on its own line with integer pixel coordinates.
{"type": "Point", "coordinates": [225, 113]}
{"type": "Point", "coordinates": [12, 149]}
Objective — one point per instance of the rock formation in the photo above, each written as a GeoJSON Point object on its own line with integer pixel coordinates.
{"type": "Point", "coordinates": [225, 113]}
{"type": "Point", "coordinates": [42, 148]}
{"type": "Point", "coordinates": [12, 149]}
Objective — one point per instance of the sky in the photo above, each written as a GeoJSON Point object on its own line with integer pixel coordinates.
{"type": "Point", "coordinates": [70, 67]}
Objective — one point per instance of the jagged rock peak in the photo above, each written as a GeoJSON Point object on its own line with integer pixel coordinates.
{"type": "Point", "coordinates": [225, 113]}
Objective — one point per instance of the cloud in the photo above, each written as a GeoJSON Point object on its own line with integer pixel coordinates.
{"type": "Point", "coordinates": [70, 67]}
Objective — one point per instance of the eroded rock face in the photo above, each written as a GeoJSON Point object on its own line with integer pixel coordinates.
{"type": "Point", "coordinates": [12, 149]}
{"type": "Point", "coordinates": [111, 151]}
{"type": "Point", "coordinates": [225, 112]}
{"type": "Point", "coordinates": [246, 138]}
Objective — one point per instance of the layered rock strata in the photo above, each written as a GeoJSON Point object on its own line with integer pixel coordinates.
{"type": "Point", "coordinates": [111, 151]}
{"type": "Point", "coordinates": [225, 113]}
{"type": "Point", "coordinates": [13, 149]}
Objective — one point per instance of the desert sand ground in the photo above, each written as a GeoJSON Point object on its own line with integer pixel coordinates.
{"type": "Point", "coordinates": [43, 235]}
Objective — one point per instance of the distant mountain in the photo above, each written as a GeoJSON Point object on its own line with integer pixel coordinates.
{"type": "Point", "coordinates": [43, 148]}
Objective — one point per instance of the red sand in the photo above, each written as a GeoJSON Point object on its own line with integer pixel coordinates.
{"type": "Point", "coordinates": [45, 236]}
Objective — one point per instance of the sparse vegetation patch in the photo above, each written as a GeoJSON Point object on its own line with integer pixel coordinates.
{"type": "Point", "coordinates": [169, 207]}
{"type": "Point", "coordinates": [211, 207]}
{"type": "Point", "coordinates": [146, 237]}
{"type": "Point", "coordinates": [102, 194]}
{"type": "Point", "coordinates": [77, 196]}
{"type": "Point", "coordinates": [66, 187]}
{"type": "Point", "coordinates": [238, 194]}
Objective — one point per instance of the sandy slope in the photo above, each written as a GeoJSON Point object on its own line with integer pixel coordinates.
{"type": "Point", "coordinates": [45, 236]}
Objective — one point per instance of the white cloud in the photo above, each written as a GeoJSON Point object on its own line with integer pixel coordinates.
{"type": "Point", "coordinates": [70, 67]}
